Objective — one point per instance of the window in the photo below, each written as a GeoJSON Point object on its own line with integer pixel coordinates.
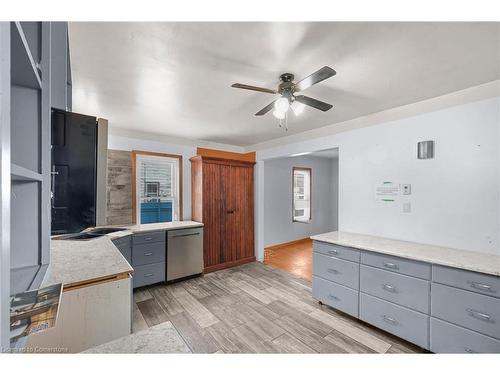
{"type": "Point", "coordinates": [301, 205]}
{"type": "Point", "coordinates": [157, 189]}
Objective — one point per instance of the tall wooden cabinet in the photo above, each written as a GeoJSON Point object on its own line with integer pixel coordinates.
{"type": "Point", "coordinates": [222, 199]}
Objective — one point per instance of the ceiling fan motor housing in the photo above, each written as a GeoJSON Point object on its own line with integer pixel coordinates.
{"type": "Point", "coordinates": [286, 87]}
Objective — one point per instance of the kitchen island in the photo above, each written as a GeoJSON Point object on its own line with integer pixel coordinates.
{"type": "Point", "coordinates": [442, 299]}
{"type": "Point", "coordinates": [97, 279]}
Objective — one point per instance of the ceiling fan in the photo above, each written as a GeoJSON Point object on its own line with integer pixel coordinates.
{"type": "Point", "coordinates": [288, 89]}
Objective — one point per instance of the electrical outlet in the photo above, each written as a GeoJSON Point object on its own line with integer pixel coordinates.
{"type": "Point", "coordinates": [406, 207]}
{"type": "Point", "coordinates": [406, 189]}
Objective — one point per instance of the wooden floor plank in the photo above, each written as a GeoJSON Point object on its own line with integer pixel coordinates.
{"type": "Point", "coordinates": [259, 294]}
{"type": "Point", "coordinates": [352, 331]}
{"type": "Point", "coordinates": [195, 337]}
{"type": "Point", "coordinates": [286, 343]}
{"type": "Point", "coordinates": [193, 307]}
{"type": "Point", "coordinates": [227, 341]}
{"type": "Point", "coordinates": [152, 312]}
{"type": "Point", "coordinates": [256, 344]}
{"type": "Point", "coordinates": [142, 294]}
{"type": "Point", "coordinates": [307, 336]}
{"type": "Point", "coordinates": [224, 312]}
{"type": "Point", "coordinates": [348, 344]}
{"type": "Point", "coordinates": [138, 322]}
{"type": "Point", "coordinates": [166, 300]}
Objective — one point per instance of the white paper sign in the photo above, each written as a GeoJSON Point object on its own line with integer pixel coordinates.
{"type": "Point", "coordinates": [387, 191]}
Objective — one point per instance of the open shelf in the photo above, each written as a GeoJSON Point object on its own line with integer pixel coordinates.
{"type": "Point", "coordinates": [19, 173]}
{"type": "Point", "coordinates": [23, 67]}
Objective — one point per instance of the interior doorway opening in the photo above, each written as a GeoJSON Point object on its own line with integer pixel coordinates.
{"type": "Point", "coordinates": [300, 200]}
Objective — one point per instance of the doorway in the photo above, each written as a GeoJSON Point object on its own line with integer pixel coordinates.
{"type": "Point", "coordinates": [300, 200]}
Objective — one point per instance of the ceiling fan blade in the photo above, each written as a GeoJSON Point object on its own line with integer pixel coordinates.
{"type": "Point", "coordinates": [318, 104]}
{"type": "Point", "coordinates": [253, 88]}
{"type": "Point", "coordinates": [266, 109]}
{"type": "Point", "coordinates": [318, 76]}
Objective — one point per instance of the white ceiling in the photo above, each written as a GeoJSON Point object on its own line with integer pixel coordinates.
{"type": "Point", "coordinates": [174, 78]}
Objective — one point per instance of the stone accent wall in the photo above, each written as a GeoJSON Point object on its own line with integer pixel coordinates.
{"type": "Point", "coordinates": [119, 189]}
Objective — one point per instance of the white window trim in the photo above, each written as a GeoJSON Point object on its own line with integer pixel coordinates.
{"type": "Point", "coordinates": [175, 186]}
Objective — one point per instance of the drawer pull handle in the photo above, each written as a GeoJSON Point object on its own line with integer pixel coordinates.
{"type": "Point", "coordinates": [148, 238]}
{"type": "Point", "coordinates": [148, 254]}
{"type": "Point", "coordinates": [390, 319]}
{"type": "Point", "coordinates": [392, 266]}
{"type": "Point", "coordinates": [479, 315]}
{"type": "Point", "coordinates": [335, 298]}
{"type": "Point", "coordinates": [480, 286]}
{"type": "Point", "coordinates": [333, 252]}
{"type": "Point", "coordinates": [149, 275]}
{"type": "Point", "coordinates": [331, 270]}
{"type": "Point", "coordinates": [468, 350]}
{"type": "Point", "coordinates": [389, 288]}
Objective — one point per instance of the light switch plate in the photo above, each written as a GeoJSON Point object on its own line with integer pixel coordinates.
{"type": "Point", "coordinates": [406, 188]}
{"type": "Point", "coordinates": [406, 207]}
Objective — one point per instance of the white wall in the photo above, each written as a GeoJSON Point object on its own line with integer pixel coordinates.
{"type": "Point", "coordinates": [279, 226]}
{"type": "Point", "coordinates": [116, 142]}
{"type": "Point", "coordinates": [455, 198]}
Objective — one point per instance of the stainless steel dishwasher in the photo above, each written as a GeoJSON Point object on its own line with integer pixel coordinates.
{"type": "Point", "coordinates": [184, 252]}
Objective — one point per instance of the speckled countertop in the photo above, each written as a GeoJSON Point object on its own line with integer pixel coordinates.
{"type": "Point", "coordinates": [75, 262]}
{"type": "Point", "coordinates": [161, 338]}
{"type": "Point", "coordinates": [464, 259]}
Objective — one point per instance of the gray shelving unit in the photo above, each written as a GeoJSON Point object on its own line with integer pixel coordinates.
{"type": "Point", "coordinates": [30, 113]}
{"type": "Point", "coordinates": [34, 60]}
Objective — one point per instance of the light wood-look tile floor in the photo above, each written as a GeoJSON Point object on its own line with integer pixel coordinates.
{"type": "Point", "coordinates": [256, 308]}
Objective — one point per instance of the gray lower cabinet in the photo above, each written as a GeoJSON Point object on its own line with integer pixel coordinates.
{"type": "Point", "coordinates": [469, 310]}
{"type": "Point", "coordinates": [149, 274]}
{"type": "Point", "coordinates": [400, 321]}
{"type": "Point", "coordinates": [149, 258]}
{"type": "Point", "coordinates": [443, 309]}
{"type": "Point", "coordinates": [335, 295]}
{"type": "Point", "coordinates": [404, 290]}
{"type": "Point", "coordinates": [450, 338]}
{"type": "Point", "coordinates": [337, 270]}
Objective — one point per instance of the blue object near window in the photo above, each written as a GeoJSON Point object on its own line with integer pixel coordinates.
{"type": "Point", "coordinates": [156, 212]}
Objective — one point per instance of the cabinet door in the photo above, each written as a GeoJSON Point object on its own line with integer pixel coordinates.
{"type": "Point", "coordinates": [244, 212]}
{"type": "Point", "coordinates": [212, 214]}
{"type": "Point", "coordinates": [238, 212]}
{"type": "Point", "coordinates": [230, 222]}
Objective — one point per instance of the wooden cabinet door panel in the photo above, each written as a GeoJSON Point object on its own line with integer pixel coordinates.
{"type": "Point", "coordinates": [245, 213]}
{"type": "Point", "coordinates": [212, 214]}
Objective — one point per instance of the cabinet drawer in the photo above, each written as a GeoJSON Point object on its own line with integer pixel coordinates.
{"type": "Point", "coordinates": [333, 250]}
{"type": "Point", "coordinates": [449, 338]}
{"type": "Point", "coordinates": [473, 281]}
{"type": "Point", "coordinates": [149, 237]}
{"type": "Point", "coordinates": [400, 321]}
{"type": "Point", "coordinates": [335, 295]}
{"type": "Point", "coordinates": [396, 264]}
{"type": "Point", "coordinates": [341, 271]}
{"type": "Point", "coordinates": [401, 289]}
{"type": "Point", "coordinates": [148, 253]}
{"type": "Point", "coordinates": [149, 274]}
{"type": "Point", "coordinates": [470, 310]}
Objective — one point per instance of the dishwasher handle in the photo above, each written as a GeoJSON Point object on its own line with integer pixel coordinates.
{"type": "Point", "coordinates": [185, 235]}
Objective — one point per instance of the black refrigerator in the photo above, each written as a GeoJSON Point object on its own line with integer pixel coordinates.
{"type": "Point", "coordinates": [74, 172]}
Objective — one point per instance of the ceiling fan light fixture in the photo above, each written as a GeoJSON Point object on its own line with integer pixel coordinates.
{"type": "Point", "coordinates": [279, 115]}
{"type": "Point", "coordinates": [282, 105]}
{"type": "Point", "coordinates": [297, 108]}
